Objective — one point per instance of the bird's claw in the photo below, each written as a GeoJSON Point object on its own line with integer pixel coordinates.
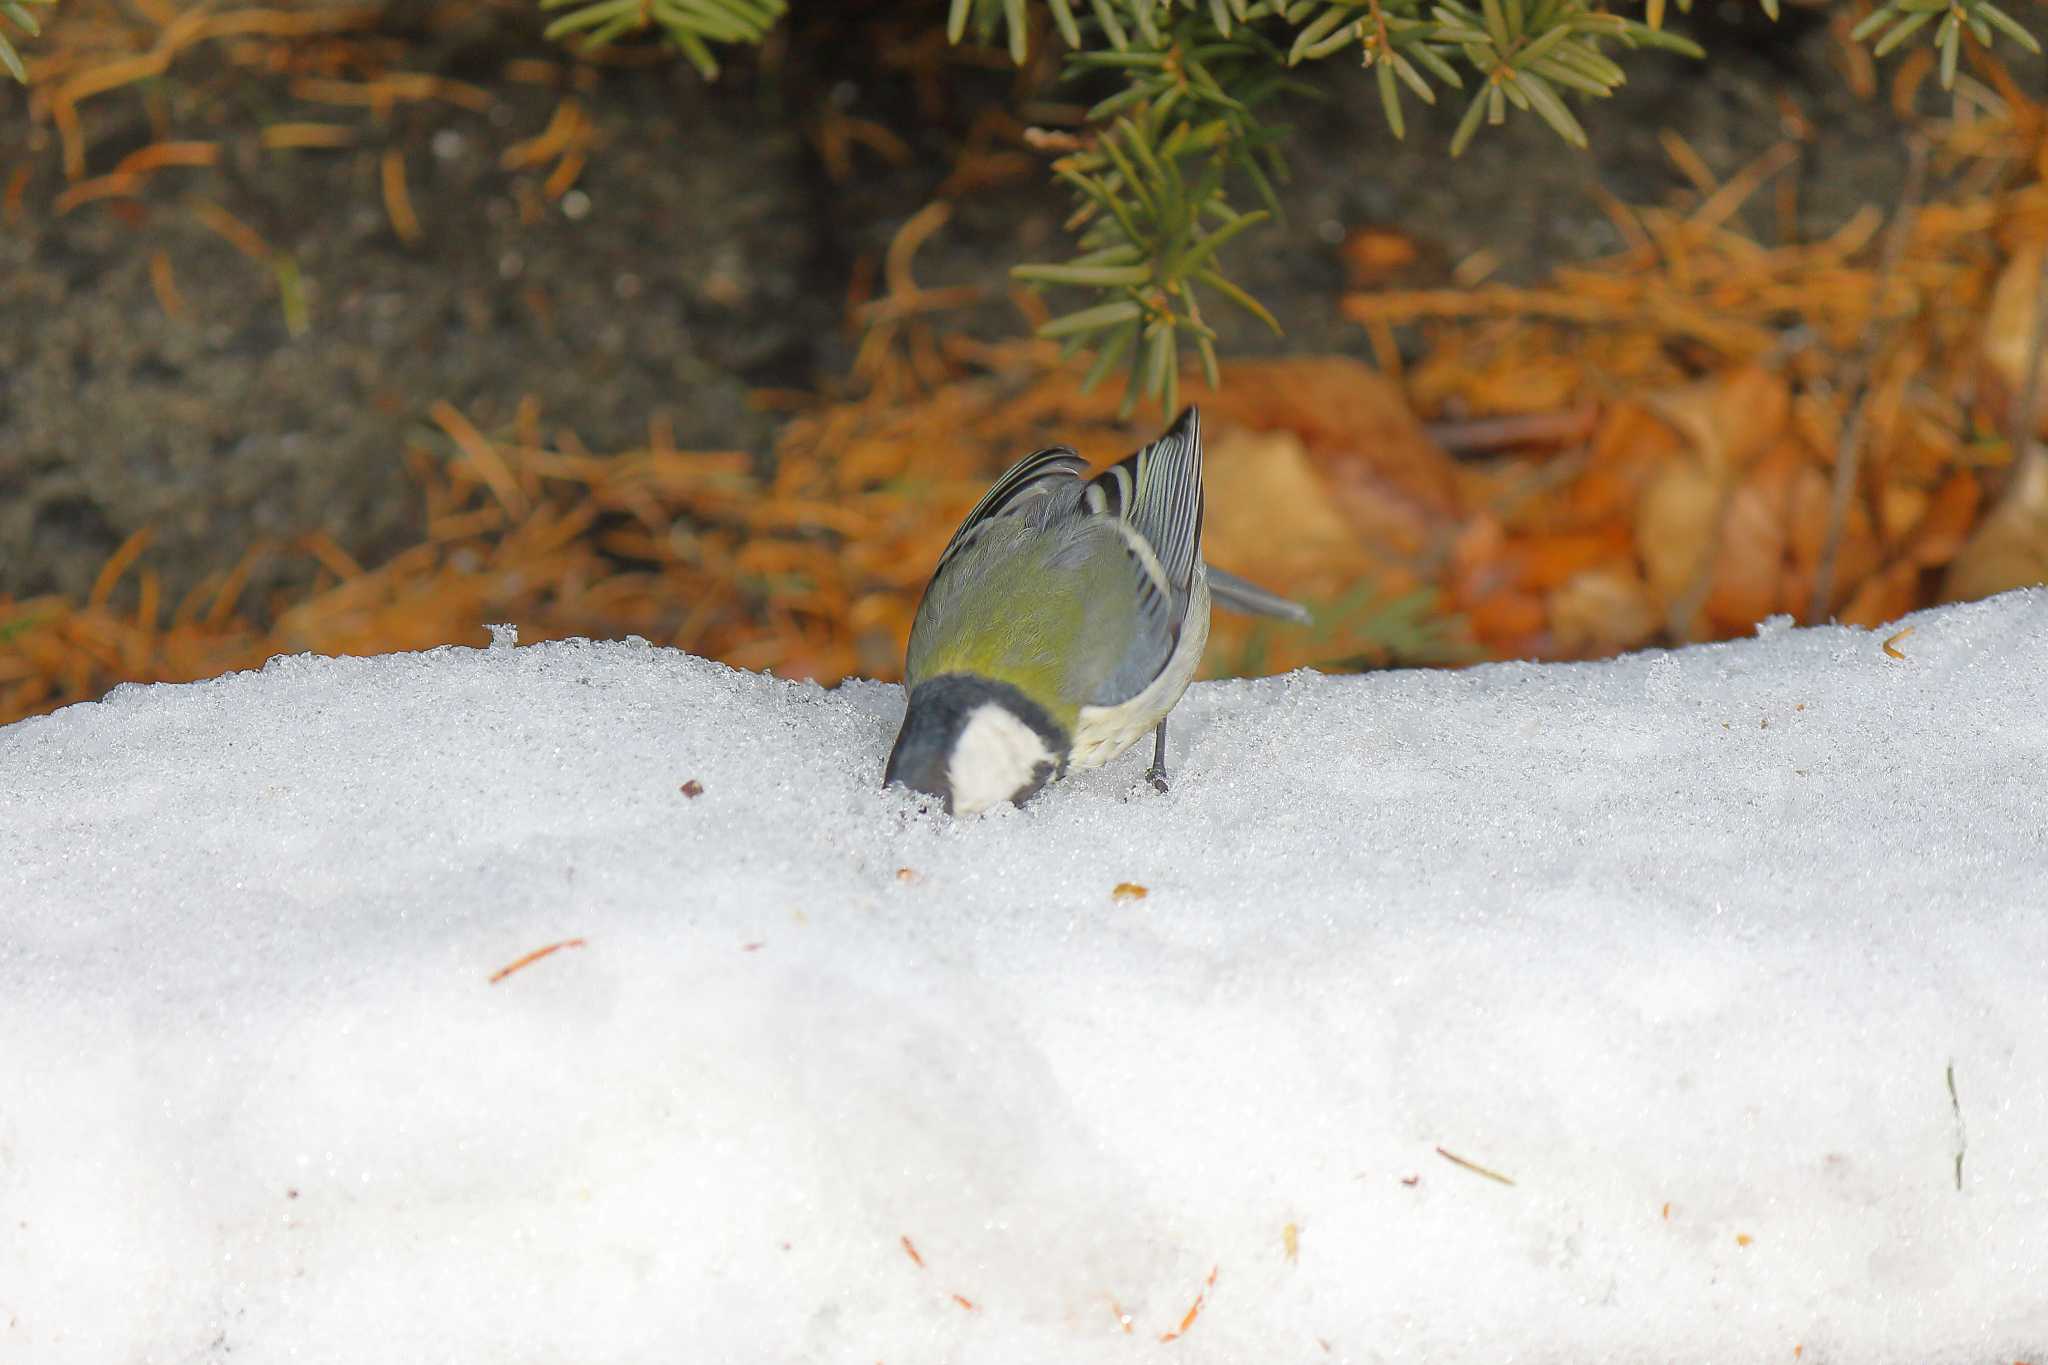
{"type": "Point", "coordinates": [1157, 777]}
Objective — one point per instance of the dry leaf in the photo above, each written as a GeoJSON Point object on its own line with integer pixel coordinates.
{"type": "Point", "coordinates": [1478, 559]}
{"type": "Point", "coordinates": [1271, 515]}
{"type": "Point", "coordinates": [1856, 557]}
{"type": "Point", "coordinates": [1129, 891]}
{"type": "Point", "coordinates": [2010, 548]}
{"type": "Point", "coordinates": [2009, 326]}
{"type": "Point", "coordinates": [1675, 529]}
{"type": "Point", "coordinates": [1604, 495]}
{"type": "Point", "coordinates": [1602, 611]}
{"type": "Point", "coordinates": [1729, 420]}
{"type": "Point", "coordinates": [1631, 437]}
{"type": "Point", "coordinates": [1509, 621]}
{"type": "Point", "coordinates": [1945, 528]}
{"type": "Point", "coordinates": [1749, 565]}
{"type": "Point", "coordinates": [1544, 562]}
{"type": "Point", "coordinates": [1884, 596]}
{"type": "Point", "coordinates": [1391, 482]}
{"type": "Point", "coordinates": [1899, 509]}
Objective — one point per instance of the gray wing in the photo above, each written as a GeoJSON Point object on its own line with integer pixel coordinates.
{"type": "Point", "coordinates": [1038, 475]}
{"type": "Point", "coordinates": [1158, 492]}
{"type": "Point", "coordinates": [1154, 501]}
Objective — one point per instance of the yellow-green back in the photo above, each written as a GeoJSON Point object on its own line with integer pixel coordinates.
{"type": "Point", "coordinates": [1048, 609]}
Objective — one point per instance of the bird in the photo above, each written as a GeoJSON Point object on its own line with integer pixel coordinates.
{"type": "Point", "coordinates": [1062, 623]}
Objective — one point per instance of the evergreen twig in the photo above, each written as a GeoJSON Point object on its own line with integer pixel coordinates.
{"type": "Point", "coordinates": [1183, 132]}
{"type": "Point", "coordinates": [16, 12]}
{"type": "Point", "coordinates": [690, 26]}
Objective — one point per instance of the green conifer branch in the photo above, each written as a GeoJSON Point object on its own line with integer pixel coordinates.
{"type": "Point", "coordinates": [690, 26]}
{"type": "Point", "coordinates": [1539, 57]}
{"type": "Point", "coordinates": [1182, 133]}
{"type": "Point", "coordinates": [16, 13]}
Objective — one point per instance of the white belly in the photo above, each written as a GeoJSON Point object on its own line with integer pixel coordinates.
{"type": "Point", "coordinates": [1103, 732]}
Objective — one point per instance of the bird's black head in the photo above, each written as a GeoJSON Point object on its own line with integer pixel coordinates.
{"type": "Point", "coordinates": [973, 742]}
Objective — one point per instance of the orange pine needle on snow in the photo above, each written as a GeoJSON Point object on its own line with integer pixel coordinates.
{"type": "Point", "coordinates": [1187, 1320]}
{"type": "Point", "coordinates": [536, 955]}
{"type": "Point", "coordinates": [1194, 1309]}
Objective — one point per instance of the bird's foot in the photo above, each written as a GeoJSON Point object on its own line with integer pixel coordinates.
{"type": "Point", "coordinates": [1156, 774]}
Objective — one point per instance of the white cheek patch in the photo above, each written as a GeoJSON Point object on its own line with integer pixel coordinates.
{"type": "Point", "coordinates": [996, 755]}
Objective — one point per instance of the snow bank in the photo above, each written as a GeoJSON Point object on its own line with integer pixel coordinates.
{"type": "Point", "coordinates": [1684, 945]}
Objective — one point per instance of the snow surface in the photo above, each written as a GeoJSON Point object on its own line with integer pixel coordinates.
{"type": "Point", "coordinates": [1685, 944]}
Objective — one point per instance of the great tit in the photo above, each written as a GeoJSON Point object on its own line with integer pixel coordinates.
{"type": "Point", "coordinates": [1064, 620]}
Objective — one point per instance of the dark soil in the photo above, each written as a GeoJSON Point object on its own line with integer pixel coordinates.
{"type": "Point", "coordinates": [705, 254]}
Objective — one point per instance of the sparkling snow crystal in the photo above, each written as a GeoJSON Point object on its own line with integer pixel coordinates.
{"type": "Point", "coordinates": [1686, 946]}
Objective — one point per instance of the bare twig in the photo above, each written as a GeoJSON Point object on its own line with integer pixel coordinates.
{"type": "Point", "coordinates": [1487, 434]}
{"type": "Point", "coordinates": [1849, 450]}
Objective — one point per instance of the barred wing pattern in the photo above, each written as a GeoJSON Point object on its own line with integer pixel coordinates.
{"type": "Point", "coordinates": [1158, 492]}
{"type": "Point", "coordinates": [1036, 475]}
{"type": "Point", "coordinates": [1155, 498]}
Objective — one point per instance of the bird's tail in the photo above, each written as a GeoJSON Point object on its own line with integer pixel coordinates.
{"type": "Point", "coordinates": [1249, 599]}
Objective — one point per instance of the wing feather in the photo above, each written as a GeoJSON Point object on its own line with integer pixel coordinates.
{"type": "Point", "coordinates": [1036, 475]}
{"type": "Point", "coordinates": [1158, 492]}
{"type": "Point", "coordinates": [1154, 498]}
{"type": "Point", "coordinates": [1141, 517]}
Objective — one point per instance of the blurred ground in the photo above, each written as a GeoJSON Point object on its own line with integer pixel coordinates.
{"type": "Point", "coordinates": [712, 253]}
{"type": "Point", "coordinates": [317, 314]}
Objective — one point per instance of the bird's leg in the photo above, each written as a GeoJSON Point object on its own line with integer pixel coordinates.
{"type": "Point", "coordinates": [1156, 774]}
